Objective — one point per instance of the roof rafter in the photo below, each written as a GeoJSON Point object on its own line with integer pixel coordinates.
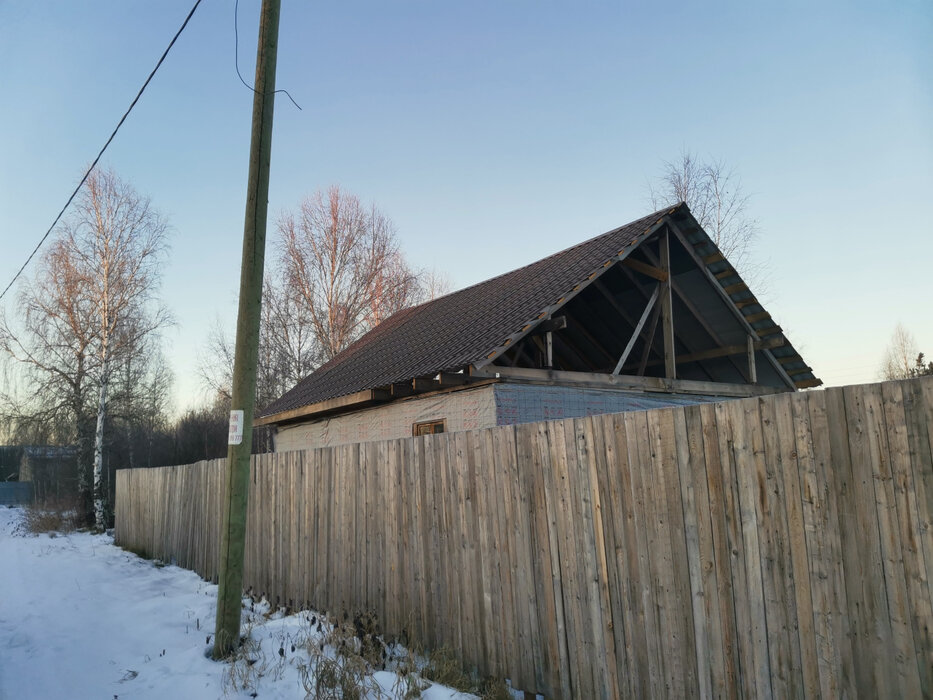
{"type": "Point", "coordinates": [691, 251]}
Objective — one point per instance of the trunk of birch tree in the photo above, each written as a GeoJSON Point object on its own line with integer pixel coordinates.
{"type": "Point", "coordinates": [100, 522]}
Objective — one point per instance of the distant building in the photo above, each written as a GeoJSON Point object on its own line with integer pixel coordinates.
{"type": "Point", "coordinates": [647, 315]}
{"type": "Point", "coordinates": [52, 470]}
{"type": "Point", "coordinates": [10, 458]}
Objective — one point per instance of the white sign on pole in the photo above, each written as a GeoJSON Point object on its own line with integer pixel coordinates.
{"type": "Point", "coordinates": [236, 428]}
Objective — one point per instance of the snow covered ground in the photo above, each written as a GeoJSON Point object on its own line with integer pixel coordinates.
{"type": "Point", "coordinates": [81, 618]}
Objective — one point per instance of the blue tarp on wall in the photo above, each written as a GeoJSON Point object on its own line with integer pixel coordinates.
{"type": "Point", "coordinates": [14, 493]}
{"type": "Point", "coordinates": [517, 403]}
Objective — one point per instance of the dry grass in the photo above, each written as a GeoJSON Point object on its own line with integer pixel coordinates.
{"type": "Point", "coordinates": [54, 516]}
{"type": "Point", "coordinates": [246, 666]}
{"type": "Point", "coordinates": [341, 658]}
{"type": "Point", "coordinates": [344, 677]}
{"type": "Point", "coordinates": [494, 689]}
{"type": "Point", "coordinates": [443, 667]}
{"type": "Point", "coordinates": [342, 655]}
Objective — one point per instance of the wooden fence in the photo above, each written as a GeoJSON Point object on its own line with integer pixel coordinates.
{"type": "Point", "coordinates": [765, 547]}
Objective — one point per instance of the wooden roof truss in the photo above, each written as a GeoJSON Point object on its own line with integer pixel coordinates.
{"type": "Point", "coordinates": [669, 307]}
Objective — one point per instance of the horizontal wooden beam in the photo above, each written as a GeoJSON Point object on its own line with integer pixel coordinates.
{"type": "Point", "coordinates": [622, 381]}
{"type": "Point", "coordinates": [732, 350]}
{"type": "Point", "coordinates": [646, 269]}
{"type": "Point", "coordinates": [726, 351]}
{"type": "Point", "coordinates": [358, 399]}
{"type": "Point", "coordinates": [808, 383]}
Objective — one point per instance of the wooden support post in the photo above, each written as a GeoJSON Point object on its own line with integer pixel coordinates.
{"type": "Point", "coordinates": [549, 340]}
{"type": "Point", "coordinates": [752, 370]}
{"type": "Point", "coordinates": [695, 312]}
{"type": "Point", "coordinates": [637, 332]}
{"type": "Point", "coordinates": [667, 319]}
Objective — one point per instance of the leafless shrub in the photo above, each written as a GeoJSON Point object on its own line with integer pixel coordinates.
{"type": "Point", "coordinates": [58, 515]}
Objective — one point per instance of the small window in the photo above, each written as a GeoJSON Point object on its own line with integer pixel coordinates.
{"type": "Point", "coordinates": [429, 427]}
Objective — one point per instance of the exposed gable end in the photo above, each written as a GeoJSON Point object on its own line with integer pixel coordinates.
{"type": "Point", "coordinates": [613, 320]}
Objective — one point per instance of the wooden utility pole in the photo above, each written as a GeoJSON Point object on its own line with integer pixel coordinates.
{"type": "Point", "coordinates": [233, 536]}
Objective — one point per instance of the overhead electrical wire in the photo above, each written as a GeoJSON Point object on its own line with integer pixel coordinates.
{"type": "Point", "coordinates": [236, 54]}
{"type": "Point", "coordinates": [101, 152]}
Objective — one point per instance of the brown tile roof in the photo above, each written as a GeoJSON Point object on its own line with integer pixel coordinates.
{"type": "Point", "coordinates": [461, 328]}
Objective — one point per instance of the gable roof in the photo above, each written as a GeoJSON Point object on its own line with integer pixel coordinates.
{"type": "Point", "coordinates": [472, 326]}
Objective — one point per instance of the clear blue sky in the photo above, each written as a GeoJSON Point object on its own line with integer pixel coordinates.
{"type": "Point", "coordinates": [494, 133]}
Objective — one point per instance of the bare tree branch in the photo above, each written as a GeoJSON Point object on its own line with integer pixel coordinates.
{"type": "Point", "coordinates": [344, 262]}
{"type": "Point", "coordinates": [717, 201]}
{"type": "Point", "coordinates": [901, 356]}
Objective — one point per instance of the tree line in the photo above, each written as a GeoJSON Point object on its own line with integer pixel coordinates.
{"type": "Point", "coordinates": [84, 364]}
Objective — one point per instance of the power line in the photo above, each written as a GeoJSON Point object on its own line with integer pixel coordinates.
{"type": "Point", "coordinates": [101, 152]}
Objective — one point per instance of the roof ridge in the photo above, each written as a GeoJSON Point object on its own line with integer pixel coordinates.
{"type": "Point", "coordinates": [659, 213]}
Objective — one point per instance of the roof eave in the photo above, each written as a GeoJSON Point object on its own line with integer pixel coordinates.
{"type": "Point", "coordinates": [442, 383]}
{"type": "Point", "coordinates": [360, 399]}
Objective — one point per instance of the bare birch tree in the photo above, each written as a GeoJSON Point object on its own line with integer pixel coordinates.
{"type": "Point", "coordinates": [717, 201]}
{"type": "Point", "coordinates": [119, 240]}
{"type": "Point", "coordinates": [901, 356]}
{"type": "Point", "coordinates": [344, 262]}
{"type": "Point", "coordinates": [91, 307]}
{"type": "Point", "coordinates": [338, 272]}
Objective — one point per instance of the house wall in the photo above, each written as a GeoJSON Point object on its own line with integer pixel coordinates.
{"type": "Point", "coordinates": [471, 409]}
{"type": "Point", "coordinates": [465, 409]}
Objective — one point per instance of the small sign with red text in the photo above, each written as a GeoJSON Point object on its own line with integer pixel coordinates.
{"type": "Point", "coordinates": [236, 428]}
